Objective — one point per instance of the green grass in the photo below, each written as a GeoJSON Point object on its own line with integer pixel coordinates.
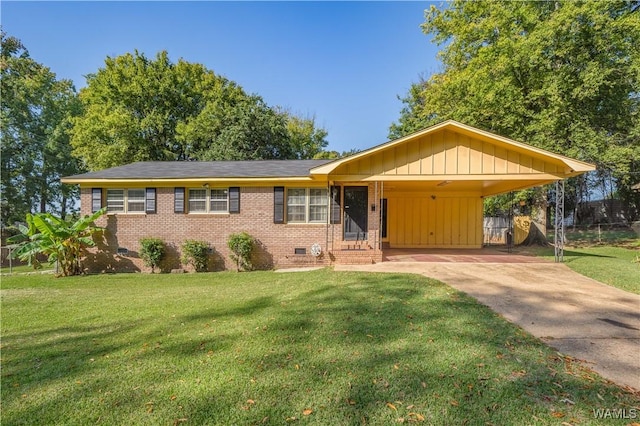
{"type": "Point", "coordinates": [319, 347]}
{"type": "Point", "coordinates": [624, 237]}
{"type": "Point", "coordinates": [615, 266]}
{"type": "Point", "coordinates": [20, 269]}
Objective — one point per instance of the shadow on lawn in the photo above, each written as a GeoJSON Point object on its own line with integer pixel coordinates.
{"type": "Point", "coordinates": [343, 353]}
{"type": "Point", "coordinates": [358, 350]}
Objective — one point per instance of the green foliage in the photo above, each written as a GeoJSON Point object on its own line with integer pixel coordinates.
{"type": "Point", "coordinates": [152, 251]}
{"type": "Point", "coordinates": [306, 139]}
{"type": "Point", "coordinates": [138, 109]}
{"type": "Point", "coordinates": [151, 348]}
{"type": "Point", "coordinates": [35, 115]}
{"type": "Point", "coordinates": [562, 75]}
{"type": "Point", "coordinates": [613, 266]}
{"type": "Point", "coordinates": [59, 239]}
{"type": "Point", "coordinates": [241, 246]}
{"type": "Point", "coordinates": [196, 254]}
{"type": "Point", "coordinates": [499, 205]}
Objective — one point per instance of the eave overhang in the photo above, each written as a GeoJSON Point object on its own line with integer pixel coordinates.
{"type": "Point", "coordinates": [569, 166]}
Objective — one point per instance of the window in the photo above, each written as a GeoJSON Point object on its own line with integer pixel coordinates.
{"type": "Point", "coordinates": [296, 205]}
{"type": "Point", "coordinates": [197, 200]}
{"type": "Point", "coordinates": [115, 200]}
{"type": "Point", "coordinates": [129, 200]}
{"type": "Point", "coordinates": [215, 200]}
{"type": "Point", "coordinates": [135, 200]}
{"type": "Point", "coordinates": [317, 205]}
{"type": "Point", "coordinates": [219, 200]}
{"type": "Point", "coordinates": [307, 205]}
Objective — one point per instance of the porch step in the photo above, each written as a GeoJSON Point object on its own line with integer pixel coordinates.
{"type": "Point", "coordinates": [354, 245]}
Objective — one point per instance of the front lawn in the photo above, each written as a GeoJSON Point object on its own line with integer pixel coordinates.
{"type": "Point", "coordinates": [266, 348]}
{"type": "Point", "coordinates": [615, 266]}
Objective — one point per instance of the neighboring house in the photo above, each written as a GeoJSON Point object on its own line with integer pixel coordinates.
{"type": "Point", "coordinates": [424, 190]}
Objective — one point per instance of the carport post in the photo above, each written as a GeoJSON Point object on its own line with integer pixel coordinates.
{"type": "Point", "coordinates": [558, 238]}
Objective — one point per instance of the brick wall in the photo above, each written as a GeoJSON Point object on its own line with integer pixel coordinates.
{"type": "Point", "coordinates": [276, 242]}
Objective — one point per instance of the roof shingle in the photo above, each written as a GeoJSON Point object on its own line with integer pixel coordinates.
{"type": "Point", "coordinates": [206, 169]}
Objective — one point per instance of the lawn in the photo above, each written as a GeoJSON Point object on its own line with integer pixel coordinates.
{"type": "Point", "coordinates": [318, 347]}
{"type": "Point", "coordinates": [615, 266]}
{"type": "Point", "coordinates": [19, 269]}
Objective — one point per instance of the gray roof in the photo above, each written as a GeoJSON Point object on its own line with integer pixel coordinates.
{"type": "Point", "coordinates": [206, 169]}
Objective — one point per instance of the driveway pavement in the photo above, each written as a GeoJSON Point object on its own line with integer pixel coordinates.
{"type": "Point", "coordinates": [578, 316]}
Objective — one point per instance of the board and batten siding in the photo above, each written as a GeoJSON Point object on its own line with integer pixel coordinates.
{"type": "Point", "coordinates": [420, 221]}
{"type": "Point", "coordinates": [448, 153]}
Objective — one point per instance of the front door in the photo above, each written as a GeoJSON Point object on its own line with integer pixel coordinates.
{"type": "Point", "coordinates": [355, 212]}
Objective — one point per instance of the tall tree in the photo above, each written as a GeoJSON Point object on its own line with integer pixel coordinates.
{"type": "Point", "coordinates": [35, 113]}
{"type": "Point", "coordinates": [307, 139]}
{"type": "Point", "coordinates": [137, 109]}
{"type": "Point", "coordinates": [560, 75]}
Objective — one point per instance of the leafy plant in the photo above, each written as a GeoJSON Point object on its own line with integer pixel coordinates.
{"type": "Point", "coordinates": [62, 240]}
{"type": "Point", "coordinates": [196, 254]}
{"type": "Point", "coordinates": [241, 246]}
{"type": "Point", "coordinates": [152, 252]}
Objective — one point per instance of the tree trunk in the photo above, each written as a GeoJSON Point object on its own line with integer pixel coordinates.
{"type": "Point", "coordinates": [538, 229]}
{"type": "Point", "coordinates": [63, 207]}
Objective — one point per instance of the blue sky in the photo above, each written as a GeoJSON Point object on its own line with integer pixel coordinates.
{"type": "Point", "coordinates": [343, 62]}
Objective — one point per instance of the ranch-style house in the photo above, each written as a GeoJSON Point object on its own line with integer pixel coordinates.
{"type": "Point", "coordinates": [423, 190]}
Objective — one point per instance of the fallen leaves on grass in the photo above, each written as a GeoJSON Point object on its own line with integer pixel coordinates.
{"type": "Point", "coordinates": [419, 417]}
{"type": "Point", "coordinates": [393, 407]}
{"type": "Point", "coordinates": [307, 412]}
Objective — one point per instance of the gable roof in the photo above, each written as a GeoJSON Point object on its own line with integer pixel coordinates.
{"type": "Point", "coordinates": [155, 170]}
{"type": "Point", "coordinates": [573, 167]}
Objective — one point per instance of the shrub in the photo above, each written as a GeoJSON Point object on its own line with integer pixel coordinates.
{"type": "Point", "coordinates": [241, 246]}
{"type": "Point", "coordinates": [196, 254]}
{"type": "Point", "coordinates": [152, 252]}
{"type": "Point", "coordinates": [62, 240]}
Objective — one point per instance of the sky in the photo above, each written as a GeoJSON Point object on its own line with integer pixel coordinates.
{"type": "Point", "coordinates": [344, 63]}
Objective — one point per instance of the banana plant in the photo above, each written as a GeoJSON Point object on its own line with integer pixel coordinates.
{"type": "Point", "coordinates": [61, 240]}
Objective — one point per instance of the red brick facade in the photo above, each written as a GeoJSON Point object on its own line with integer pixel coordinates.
{"type": "Point", "coordinates": [275, 242]}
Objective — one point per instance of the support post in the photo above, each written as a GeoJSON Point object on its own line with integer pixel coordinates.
{"type": "Point", "coordinates": [558, 239]}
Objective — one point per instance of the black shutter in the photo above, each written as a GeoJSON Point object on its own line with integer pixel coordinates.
{"type": "Point", "coordinates": [335, 205]}
{"type": "Point", "coordinates": [234, 199]}
{"type": "Point", "coordinates": [278, 204]}
{"type": "Point", "coordinates": [150, 200]}
{"type": "Point", "coordinates": [96, 199]}
{"type": "Point", "coordinates": [178, 200]}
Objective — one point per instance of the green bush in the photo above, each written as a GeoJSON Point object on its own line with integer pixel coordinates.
{"type": "Point", "coordinates": [152, 252]}
{"type": "Point", "coordinates": [241, 246]}
{"type": "Point", "coordinates": [196, 254]}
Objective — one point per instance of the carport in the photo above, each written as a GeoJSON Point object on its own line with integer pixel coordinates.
{"type": "Point", "coordinates": [426, 190]}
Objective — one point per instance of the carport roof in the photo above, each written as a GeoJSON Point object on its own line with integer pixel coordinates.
{"type": "Point", "coordinates": [460, 157]}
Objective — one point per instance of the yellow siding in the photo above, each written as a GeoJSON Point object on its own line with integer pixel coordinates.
{"type": "Point", "coordinates": [475, 157]}
{"type": "Point", "coordinates": [447, 153]}
{"type": "Point", "coordinates": [444, 222]}
{"type": "Point", "coordinates": [426, 151]}
{"type": "Point", "coordinates": [463, 155]}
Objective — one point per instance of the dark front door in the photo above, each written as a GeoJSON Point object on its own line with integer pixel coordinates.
{"type": "Point", "coordinates": [355, 212]}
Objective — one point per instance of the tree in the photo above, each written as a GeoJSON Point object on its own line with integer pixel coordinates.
{"type": "Point", "coordinates": [35, 114]}
{"type": "Point", "coordinates": [307, 139]}
{"type": "Point", "coordinates": [138, 109]}
{"type": "Point", "coordinates": [61, 240]}
{"type": "Point", "coordinates": [560, 75]}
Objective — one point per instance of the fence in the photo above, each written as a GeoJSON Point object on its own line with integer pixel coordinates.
{"type": "Point", "coordinates": [496, 229]}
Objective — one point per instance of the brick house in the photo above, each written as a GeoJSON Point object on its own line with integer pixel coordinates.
{"type": "Point", "coordinates": [424, 190]}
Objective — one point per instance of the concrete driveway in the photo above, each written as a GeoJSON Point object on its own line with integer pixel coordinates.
{"type": "Point", "coordinates": [578, 316]}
